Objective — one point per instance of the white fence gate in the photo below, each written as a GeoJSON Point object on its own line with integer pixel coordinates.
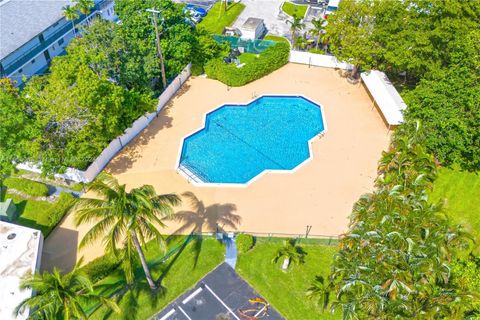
{"type": "Point", "coordinates": [318, 60]}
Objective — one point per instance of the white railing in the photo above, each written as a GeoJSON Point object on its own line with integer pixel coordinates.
{"type": "Point", "coordinates": [318, 60]}
{"type": "Point", "coordinates": [117, 144]}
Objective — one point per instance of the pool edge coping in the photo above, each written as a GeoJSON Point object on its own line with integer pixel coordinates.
{"type": "Point", "coordinates": [264, 172]}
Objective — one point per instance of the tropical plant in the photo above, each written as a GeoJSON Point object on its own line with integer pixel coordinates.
{"type": "Point", "coordinates": [395, 260]}
{"type": "Point", "coordinates": [60, 296]}
{"type": "Point", "coordinates": [70, 12]}
{"type": "Point", "coordinates": [295, 25]}
{"type": "Point", "coordinates": [320, 291]}
{"type": "Point", "coordinates": [124, 220]}
{"type": "Point", "coordinates": [84, 6]}
{"type": "Point", "coordinates": [291, 253]}
{"type": "Point", "coordinates": [318, 31]}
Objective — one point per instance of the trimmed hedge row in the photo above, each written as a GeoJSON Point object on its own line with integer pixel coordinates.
{"type": "Point", "coordinates": [29, 187]}
{"type": "Point", "coordinates": [245, 242]}
{"type": "Point", "coordinates": [55, 213]}
{"type": "Point", "coordinates": [101, 267]}
{"type": "Point", "coordinates": [270, 60]}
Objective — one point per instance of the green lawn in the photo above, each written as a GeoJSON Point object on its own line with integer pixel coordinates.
{"type": "Point", "coordinates": [461, 191]}
{"type": "Point", "coordinates": [248, 57]}
{"type": "Point", "coordinates": [286, 291]}
{"type": "Point", "coordinates": [293, 10]}
{"type": "Point", "coordinates": [216, 19]}
{"type": "Point", "coordinates": [276, 38]}
{"type": "Point", "coordinates": [180, 272]}
{"type": "Point", "coordinates": [34, 214]}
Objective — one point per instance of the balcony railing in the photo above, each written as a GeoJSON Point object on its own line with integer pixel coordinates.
{"type": "Point", "coordinates": [33, 52]}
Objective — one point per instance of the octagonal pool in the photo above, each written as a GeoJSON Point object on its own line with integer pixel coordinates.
{"type": "Point", "coordinates": [239, 142]}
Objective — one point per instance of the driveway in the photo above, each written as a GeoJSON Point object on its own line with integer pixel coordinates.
{"type": "Point", "coordinates": [269, 11]}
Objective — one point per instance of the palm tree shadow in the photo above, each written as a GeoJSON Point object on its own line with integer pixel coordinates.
{"type": "Point", "coordinates": [215, 217]}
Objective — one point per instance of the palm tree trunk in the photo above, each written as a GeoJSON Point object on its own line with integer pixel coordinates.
{"type": "Point", "coordinates": [150, 281]}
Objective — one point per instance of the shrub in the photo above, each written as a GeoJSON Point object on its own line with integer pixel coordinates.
{"type": "Point", "coordinates": [245, 242]}
{"type": "Point", "coordinates": [29, 187]}
{"type": "Point", "coordinates": [270, 60]}
{"type": "Point", "coordinates": [101, 267]}
{"type": "Point", "coordinates": [59, 209]}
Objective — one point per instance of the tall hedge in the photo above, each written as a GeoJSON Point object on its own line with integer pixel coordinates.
{"type": "Point", "coordinates": [270, 60]}
{"type": "Point", "coordinates": [29, 187]}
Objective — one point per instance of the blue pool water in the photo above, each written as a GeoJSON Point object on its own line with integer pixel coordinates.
{"type": "Point", "coordinates": [238, 142]}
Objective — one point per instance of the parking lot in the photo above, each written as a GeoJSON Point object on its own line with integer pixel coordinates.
{"type": "Point", "coordinates": [221, 294]}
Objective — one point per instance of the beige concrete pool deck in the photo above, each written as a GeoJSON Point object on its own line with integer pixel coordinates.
{"type": "Point", "coordinates": [319, 194]}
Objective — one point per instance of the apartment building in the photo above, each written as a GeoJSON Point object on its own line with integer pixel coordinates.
{"type": "Point", "coordinates": [33, 32]}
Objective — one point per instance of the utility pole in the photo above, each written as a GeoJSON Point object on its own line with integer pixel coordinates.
{"type": "Point", "coordinates": [159, 48]}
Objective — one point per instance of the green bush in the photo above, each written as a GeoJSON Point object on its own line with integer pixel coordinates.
{"type": "Point", "coordinates": [29, 187]}
{"type": "Point", "coordinates": [101, 267]}
{"type": "Point", "coordinates": [270, 60]}
{"type": "Point", "coordinates": [59, 209]}
{"type": "Point", "coordinates": [245, 242]}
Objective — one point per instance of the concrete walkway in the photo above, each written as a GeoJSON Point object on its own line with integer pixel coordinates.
{"type": "Point", "coordinates": [231, 252]}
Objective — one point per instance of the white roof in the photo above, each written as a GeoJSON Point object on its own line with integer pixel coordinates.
{"type": "Point", "coordinates": [19, 255]}
{"type": "Point", "coordinates": [385, 95]}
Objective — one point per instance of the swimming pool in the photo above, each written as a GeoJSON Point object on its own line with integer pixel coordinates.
{"type": "Point", "coordinates": [239, 142]}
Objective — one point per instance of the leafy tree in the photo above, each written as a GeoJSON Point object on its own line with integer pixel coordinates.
{"type": "Point", "coordinates": [291, 252]}
{"type": "Point", "coordinates": [15, 129]}
{"type": "Point", "coordinates": [295, 25]}
{"type": "Point", "coordinates": [60, 296]}
{"type": "Point", "coordinates": [78, 113]}
{"type": "Point", "coordinates": [124, 219]}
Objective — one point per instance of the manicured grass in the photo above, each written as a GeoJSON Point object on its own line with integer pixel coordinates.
{"type": "Point", "coordinates": [285, 291]}
{"type": "Point", "coordinates": [179, 273]}
{"type": "Point", "coordinates": [34, 214]}
{"type": "Point", "coordinates": [461, 191]}
{"type": "Point", "coordinates": [217, 19]}
{"type": "Point", "coordinates": [293, 10]}
{"type": "Point", "coordinates": [248, 57]}
{"type": "Point", "coordinates": [276, 38]}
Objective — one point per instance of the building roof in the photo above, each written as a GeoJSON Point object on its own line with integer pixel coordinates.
{"type": "Point", "coordinates": [252, 24]}
{"type": "Point", "coordinates": [385, 95]}
{"type": "Point", "coordinates": [20, 248]}
{"type": "Point", "coordinates": [22, 20]}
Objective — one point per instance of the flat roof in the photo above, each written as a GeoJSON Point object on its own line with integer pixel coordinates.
{"type": "Point", "coordinates": [22, 20]}
{"type": "Point", "coordinates": [252, 23]}
{"type": "Point", "coordinates": [385, 95]}
{"type": "Point", "coordinates": [20, 249]}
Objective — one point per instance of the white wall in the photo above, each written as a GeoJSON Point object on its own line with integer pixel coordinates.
{"type": "Point", "coordinates": [319, 60]}
{"type": "Point", "coordinates": [121, 141]}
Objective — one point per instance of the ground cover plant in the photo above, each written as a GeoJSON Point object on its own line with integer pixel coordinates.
{"type": "Point", "coordinates": [25, 186]}
{"type": "Point", "coordinates": [268, 61]}
{"type": "Point", "coordinates": [286, 291]}
{"type": "Point", "coordinates": [217, 18]}
{"type": "Point", "coordinates": [276, 38]}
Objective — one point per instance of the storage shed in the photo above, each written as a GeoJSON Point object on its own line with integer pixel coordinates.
{"type": "Point", "coordinates": [252, 29]}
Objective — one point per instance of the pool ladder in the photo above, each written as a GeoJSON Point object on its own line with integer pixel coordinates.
{"type": "Point", "coordinates": [189, 174]}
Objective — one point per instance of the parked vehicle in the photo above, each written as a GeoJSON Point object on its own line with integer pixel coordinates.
{"type": "Point", "coordinates": [200, 11]}
{"type": "Point", "coordinates": [331, 7]}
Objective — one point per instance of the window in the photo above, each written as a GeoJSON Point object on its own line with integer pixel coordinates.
{"type": "Point", "coordinates": [53, 47]}
{"type": "Point", "coordinates": [55, 24]}
{"type": "Point", "coordinates": [33, 61]}
{"type": "Point", "coordinates": [60, 42]}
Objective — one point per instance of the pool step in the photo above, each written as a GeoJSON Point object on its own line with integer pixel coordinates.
{"type": "Point", "coordinates": [189, 174]}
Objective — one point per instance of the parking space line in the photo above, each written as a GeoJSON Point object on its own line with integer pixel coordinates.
{"type": "Point", "coordinates": [190, 297]}
{"type": "Point", "coordinates": [169, 313]}
{"type": "Point", "coordinates": [186, 315]}
{"type": "Point", "coordinates": [221, 301]}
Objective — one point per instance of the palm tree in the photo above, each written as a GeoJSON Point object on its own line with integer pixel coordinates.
{"type": "Point", "coordinates": [84, 6]}
{"type": "Point", "coordinates": [291, 253]}
{"type": "Point", "coordinates": [318, 30]}
{"type": "Point", "coordinates": [319, 292]}
{"type": "Point", "coordinates": [125, 219]}
{"type": "Point", "coordinates": [295, 25]}
{"type": "Point", "coordinates": [60, 296]}
{"type": "Point", "coordinates": [71, 14]}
